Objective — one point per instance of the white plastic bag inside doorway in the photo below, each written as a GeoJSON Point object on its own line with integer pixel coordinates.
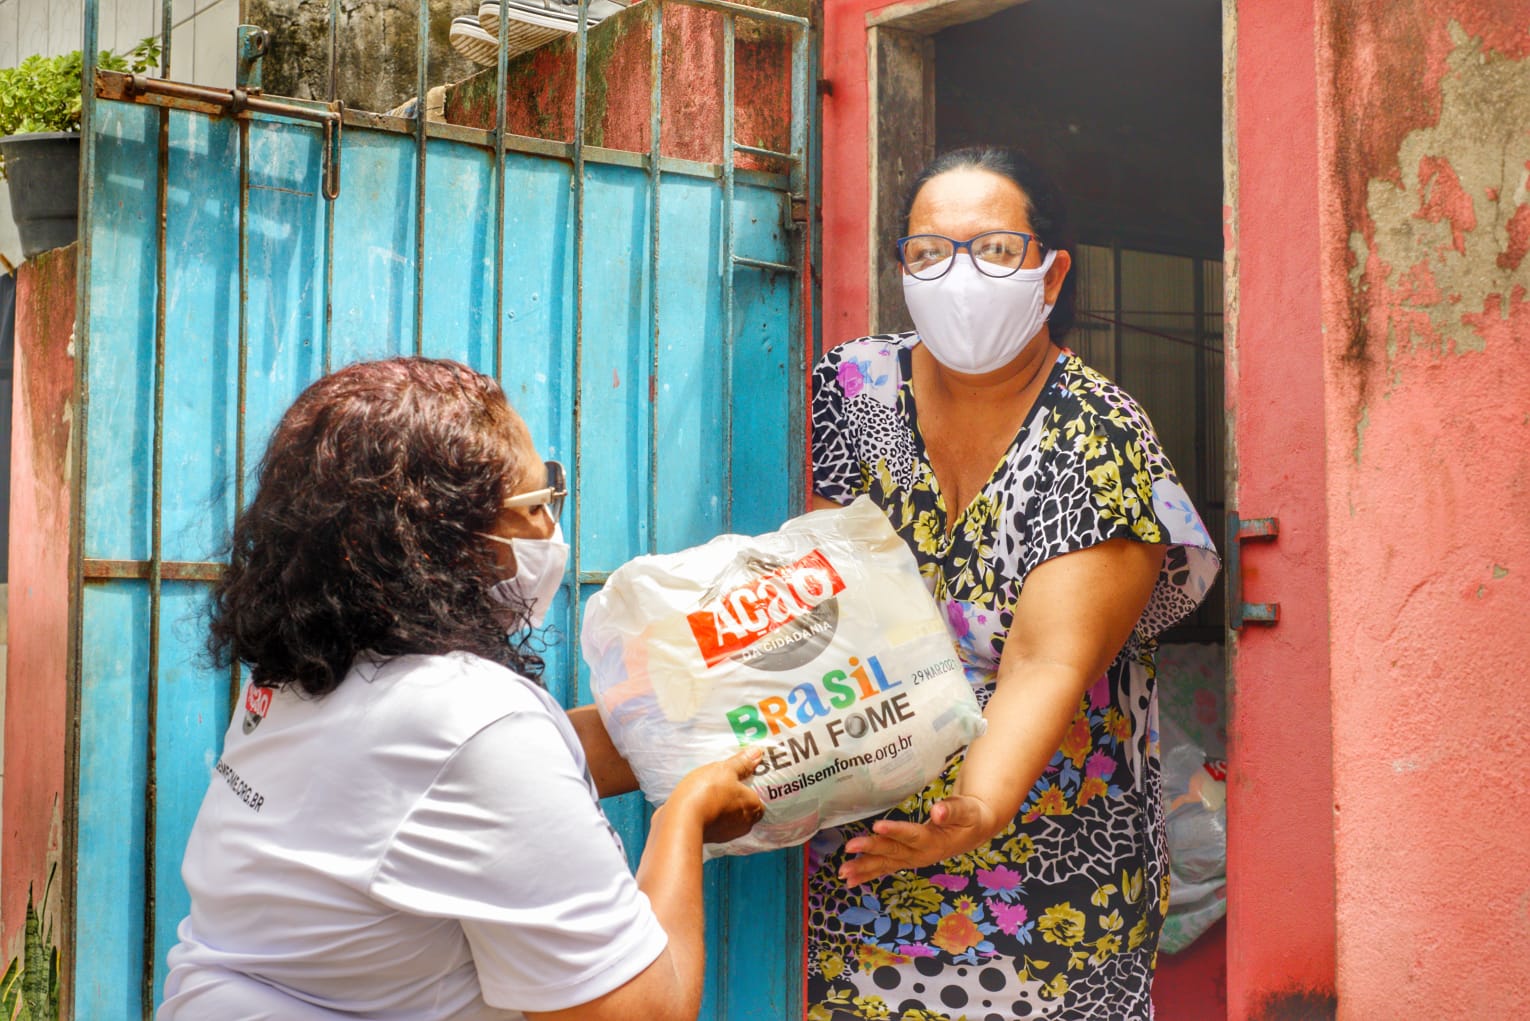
{"type": "Point", "coordinates": [1195, 806]}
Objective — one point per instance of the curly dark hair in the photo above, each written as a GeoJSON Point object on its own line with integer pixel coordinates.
{"type": "Point", "coordinates": [1047, 210]}
{"type": "Point", "coordinates": [363, 534]}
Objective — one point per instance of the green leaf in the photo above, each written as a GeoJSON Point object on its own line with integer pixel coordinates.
{"type": "Point", "coordinates": [45, 93]}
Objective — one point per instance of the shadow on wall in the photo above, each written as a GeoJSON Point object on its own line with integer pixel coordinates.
{"type": "Point", "coordinates": [1302, 1006]}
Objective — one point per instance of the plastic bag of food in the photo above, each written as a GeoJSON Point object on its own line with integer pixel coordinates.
{"type": "Point", "coordinates": [1195, 803]}
{"type": "Point", "coordinates": [818, 641]}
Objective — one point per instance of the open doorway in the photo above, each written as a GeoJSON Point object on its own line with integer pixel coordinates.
{"type": "Point", "coordinates": [1122, 104]}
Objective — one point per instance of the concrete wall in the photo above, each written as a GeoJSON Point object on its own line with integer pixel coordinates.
{"type": "Point", "coordinates": [1424, 220]}
{"type": "Point", "coordinates": [36, 717]}
{"type": "Point", "coordinates": [201, 47]}
{"type": "Point", "coordinates": [378, 45]}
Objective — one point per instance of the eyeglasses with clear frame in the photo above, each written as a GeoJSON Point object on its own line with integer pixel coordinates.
{"type": "Point", "coordinates": [995, 253]}
{"type": "Point", "coordinates": [549, 496]}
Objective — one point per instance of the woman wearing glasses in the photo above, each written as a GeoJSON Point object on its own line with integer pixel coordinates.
{"type": "Point", "coordinates": [1030, 879]}
{"type": "Point", "coordinates": [402, 824]}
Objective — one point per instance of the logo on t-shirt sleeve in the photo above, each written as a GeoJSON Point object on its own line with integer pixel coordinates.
{"type": "Point", "coordinates": [257, 706]}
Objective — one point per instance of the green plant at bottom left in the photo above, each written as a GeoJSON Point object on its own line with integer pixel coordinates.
{"type": "Point", "coordinates": [29, 990]}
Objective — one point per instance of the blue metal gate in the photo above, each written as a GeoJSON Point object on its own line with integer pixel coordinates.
{"type": "Point", "coordinates": [234, 248]}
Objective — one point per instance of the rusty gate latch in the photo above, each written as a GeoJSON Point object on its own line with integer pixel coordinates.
{"type": "Point", "coordinates": [239, 103]}
{"type": "Point", "coordinates": [1239, 531]}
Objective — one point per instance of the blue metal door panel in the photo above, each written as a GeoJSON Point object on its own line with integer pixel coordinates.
{"type": "Point", "coordinates": [197, 460]}
{"type": "Point", "coordinates": [109, 882]}
{"type": "Point", "coordinates": [459, 256]}
{"type": "Point", "coordinates": [538, 288]}
{"type": "Point", "coordinates": [110, 874]}
{"type": "Point", "coordinates": [282, 314]}
{"type": "Point", "coordinates": [118, 501]}
{"type": "Point", "coordinates": [690, 359]}
{"type": "Point", "coordinates": [201, 310]}
{"type": "Point", "coordinates": [612, 410]}
{"type": "Point", "coordinates": [220, 283]}
{"type": "Point", "coordinates": [193, 705]}
{"type": "Point", "coordinates": [374, 250]}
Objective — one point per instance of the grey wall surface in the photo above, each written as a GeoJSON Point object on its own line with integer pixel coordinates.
{"type": "Point", "coordinates": [377, 44]}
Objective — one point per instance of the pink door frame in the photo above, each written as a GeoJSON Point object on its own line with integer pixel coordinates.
{"type": "Point", "coordinates": [1280, 858]}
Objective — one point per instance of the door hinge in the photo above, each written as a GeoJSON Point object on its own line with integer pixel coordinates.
{"type": "Point", "coordinates": [1239, 531]}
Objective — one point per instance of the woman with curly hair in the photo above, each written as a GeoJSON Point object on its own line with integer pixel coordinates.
{"type": "Point", "coordinates": [403, 823]}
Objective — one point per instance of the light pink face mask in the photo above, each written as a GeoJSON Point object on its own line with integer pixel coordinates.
{"type": "Point", "coordinates": [975, 323]}
{"type": "Point", "coordinates": [539, 567]}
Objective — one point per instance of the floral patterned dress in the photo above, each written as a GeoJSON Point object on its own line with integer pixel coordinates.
{"type": "Point", "coordinates": [1058, 916]}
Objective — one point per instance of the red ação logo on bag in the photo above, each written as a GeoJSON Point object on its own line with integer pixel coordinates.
{"type": "Point", "coordinates": [736, 619]}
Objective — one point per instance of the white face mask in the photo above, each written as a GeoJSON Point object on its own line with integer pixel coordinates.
{"type": "Point", "coordinates": [539, 566]}
{"type": "Point", "coordinates": [976, 323]}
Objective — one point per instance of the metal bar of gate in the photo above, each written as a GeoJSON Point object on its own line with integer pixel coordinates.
{"type": "Point", "coordinates": [729, 147]}
{"type": "Point", "coordinates": [331, 92]}
{"type": "Point", "coordinates": [156, 516]}
{"type": "Point", "coordinates": [78, 448]}
{"type": "Point", "coordinates": [422, 85]}
{"type": "Point", "coordinates": [655, 154]}
{"type": "Point", "coordinates": [241, 392]}
{"type": "Point", "coordinates": [811, 257]}
{"type": "Point", "coordinates": [729, 158]}
{"type": "Point", "coordinates": [210, 101]}
{"type": "Point", "coordinates": [501, 71]}
{"type": "Point", "coordinates": [581, 91]}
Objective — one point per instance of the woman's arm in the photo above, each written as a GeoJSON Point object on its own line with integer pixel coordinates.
{"type": "Point", "coordinates": [712, 798]}
{"type": "Point", "coordinates": [608, 769]}
{"type": "Point", "coordinates": [1074, 614]}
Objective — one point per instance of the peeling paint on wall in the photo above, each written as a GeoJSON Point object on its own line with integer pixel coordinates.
{"type": "Point", "coordinates": [1424, 182]}
{"type": "Point", "coordinates": [1439, 262]}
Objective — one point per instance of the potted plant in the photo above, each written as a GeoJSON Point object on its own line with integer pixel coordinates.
{"type": "Point", "coordinates": [40, 104]}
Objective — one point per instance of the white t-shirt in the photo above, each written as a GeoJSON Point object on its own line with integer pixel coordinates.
{"type": "Point", "coordinates": [424, 842]}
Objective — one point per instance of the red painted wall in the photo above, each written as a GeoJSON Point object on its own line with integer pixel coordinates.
{"type": "Point", "coordinates": [1280, 952]}
{"type": "Point", "coordinates": [37, 633]}
{"type": "Point", "coordinates": [1425, 225]}
{"type": "Point", "coordinates": [540, 87]}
